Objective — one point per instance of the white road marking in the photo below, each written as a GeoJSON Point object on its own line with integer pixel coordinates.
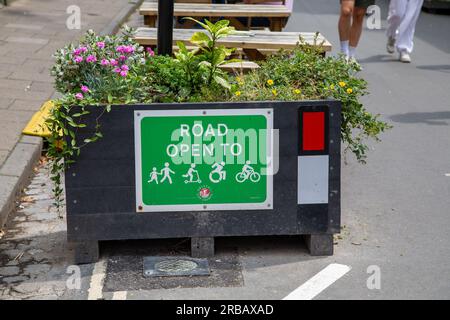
{"type": "Point", "coordinates": [119, 295]}
{"type": "Point", "coordinates": [319, 282]}
{"type": "Point", "coordinates": [447, 174]}
{"type": "Point", "coordinates": [95, 291]}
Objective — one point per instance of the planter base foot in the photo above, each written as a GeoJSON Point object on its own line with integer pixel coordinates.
{"type": "Point", "coordinates": [202, 247]}
{"type": "Point", "coordinates": [319, 244]}
{"type": "Point", "coordinates": [86, 252]}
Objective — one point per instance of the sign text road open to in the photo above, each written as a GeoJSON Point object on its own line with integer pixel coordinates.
{"type": "Point", "coordinates": [197, 160]}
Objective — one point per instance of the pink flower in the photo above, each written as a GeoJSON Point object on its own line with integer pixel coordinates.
{"type": "Point", "coordinates": [84, 89]}
{"type": "Point", "coordinates": [117, 70]}
{"type": "Point", "coordinates": [123, 73]}
{"type": "Point", "coordinates": [79, 96]}
{"type": "Point", "coordinates": [83, 49]}
{"type": "Point", "coordinates": [125, 49]}
{"type": "Point", "coordinates": [120, 49]}
{"type": "Point", "coordinates": [122, 58]}
{"type": "Point", "coordinates": [78, 59]}
{"type": "Point", "coordinates": [150, 52]}
{"type": "Point", "coordinates": [100, 44]}
{"type": "Point", "coordinates": [125, 67]}
{"type": "Point", "coordinates": [77, 52]}
{"type": "Point", "coordinates": [105, 62]}
{"type": "Point", "coordinates": [91, 58]}
{"type": "Point", "coordinates": [113, 62]}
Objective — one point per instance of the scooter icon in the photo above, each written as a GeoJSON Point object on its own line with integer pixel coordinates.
{"type": "Point", "coordinates": [191, 173]}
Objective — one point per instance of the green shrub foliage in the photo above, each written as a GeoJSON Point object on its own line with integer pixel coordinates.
{"type": "Point", "coordinates": [103, 70]}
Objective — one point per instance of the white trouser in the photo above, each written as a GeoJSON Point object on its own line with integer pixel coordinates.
{"type": "Point", "coordinates": [403, 15]}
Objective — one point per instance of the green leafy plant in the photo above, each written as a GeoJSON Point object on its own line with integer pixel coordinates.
{"type": "Point", "coordinates": [213, 56]}
{"type": "Point", "coordinates": [104, 70]}
{"type": "Point", "coordinates": [305, 73]}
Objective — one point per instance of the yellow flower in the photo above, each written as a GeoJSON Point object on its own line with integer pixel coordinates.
{"type": "Point", "coordinates": [332, 87]}
{"type": "Point", "coordinates": [349, 90]}
{"type": "Point", "coordinates": [342, 84]}
{"type": "Point", "coordinates": [59, 144]}
{"type": "Point", "coordinates": [274, 91]}
{"type": "Point", "coordinates": [297, 91]}
{"type": "Point", "coordinates": [238, 93]}
{"type": "Point", "coordinates": [270, 82]}
{"type": "Point", "coordinates": [239, 80]}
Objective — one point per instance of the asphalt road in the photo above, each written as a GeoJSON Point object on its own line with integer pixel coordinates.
{"type": "Point", "coordinates": [400, 200]}
{"type": "Point", "coordinates": [395, 209]}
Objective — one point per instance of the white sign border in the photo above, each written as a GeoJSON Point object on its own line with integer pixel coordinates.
{"type": "Point", "coordinates": [140, 114]}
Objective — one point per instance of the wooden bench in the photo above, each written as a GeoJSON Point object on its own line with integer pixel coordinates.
{"type": "Point", "coordinates": [193, 1]}
{"type": "Point", "coordinates": [277, 14]}
{"type": "Point", "coordinates": [265, 1]}
{"type": "Point", "coordinates": [240, 67]}
{"type": "Point", "coordinates": [253, 43]}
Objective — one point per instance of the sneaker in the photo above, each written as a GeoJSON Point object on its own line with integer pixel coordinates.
{"type": "Point", "coordinates": [390, 46]}
{"type": "Point", "coordinates": [405, 57]}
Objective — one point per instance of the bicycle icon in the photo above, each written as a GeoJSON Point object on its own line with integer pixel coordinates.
{"type": "Point", "coordinates": [248, 173]}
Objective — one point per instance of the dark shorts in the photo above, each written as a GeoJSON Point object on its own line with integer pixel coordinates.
{"type": "Point", "coordinates": [364, 3]}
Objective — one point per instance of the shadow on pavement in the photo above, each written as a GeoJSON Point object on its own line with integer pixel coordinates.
{"type": "Point", "coordinates": [439, 67]}
{"type": "Point", "coordinates": [379, 58]}
{"type": "Point", "coordinates": [441, 118]}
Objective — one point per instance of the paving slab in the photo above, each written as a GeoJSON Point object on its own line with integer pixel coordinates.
{"type": "Point", "coordinates": [8, 192]}
{"type": "Point", "coordinates": [30, 32]}
{"type": "Point", "coordinates": [34, 256]}
{"type": "Point", "coordinates": [5, 103]}
{"type": "Point", "coordinates": [9, 130]}
{"type": "Point", "coordinates": [19, 161]}
{"type": "Point", "coordinates": [3, 155]}
{"type": "Point", "coordinates": [23, 105]}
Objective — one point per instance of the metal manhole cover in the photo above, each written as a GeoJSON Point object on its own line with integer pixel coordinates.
{"type": "Point", "coordinates": [175, 266]}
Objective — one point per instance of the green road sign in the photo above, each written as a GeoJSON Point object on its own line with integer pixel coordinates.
{"type": "Point", "coordinates": [196, 160]}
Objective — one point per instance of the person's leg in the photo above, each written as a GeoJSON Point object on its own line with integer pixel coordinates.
{"type": "Point", "coordinates": [357, 25]}
{"type": "Point", "coordinates": [396, 12]}
{"type": "Point", "coordinates": [345, 22]}
{"type": "Point", "coordinates": [356, 30]}
{"type": "Point", "coordinates": [407, 26]}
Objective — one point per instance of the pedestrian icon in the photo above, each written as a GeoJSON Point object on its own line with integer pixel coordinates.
{"type": "Point", "coordinates": [166, 172]}
{"type": "Point", "coordinates": [191, 174]}
{"type": "Point", "coordinates": [154, 176]}
{"type": "Point", "coordinates": [248, 172]}
{"type": "Point", "coordinates": [218, 174]}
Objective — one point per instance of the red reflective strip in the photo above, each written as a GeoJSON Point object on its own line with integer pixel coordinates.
{"type": "Point", "coordinates": [313, 131]}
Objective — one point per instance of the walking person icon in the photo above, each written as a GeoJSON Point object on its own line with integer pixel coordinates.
{"type": "Point", "coordinates": [154, 176]}
{"type": "Point", "coordinates": [165, 172]}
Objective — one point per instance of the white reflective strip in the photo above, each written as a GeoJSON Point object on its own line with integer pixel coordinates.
{"type": "Point", "coordinates": [312, 186]}
{"type": "Point", "coordinates": [319, 282]}
{"type": "Point", "coordinates": [95, 291]}
{"type": "Point", "coordinates": [119, 295]}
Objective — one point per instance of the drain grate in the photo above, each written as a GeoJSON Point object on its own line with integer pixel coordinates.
{"type": "Point", "coordinates": [175, 266]}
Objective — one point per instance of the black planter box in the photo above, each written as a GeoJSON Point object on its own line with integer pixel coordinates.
{"type": "Point", "coordinates": [101, 191]}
